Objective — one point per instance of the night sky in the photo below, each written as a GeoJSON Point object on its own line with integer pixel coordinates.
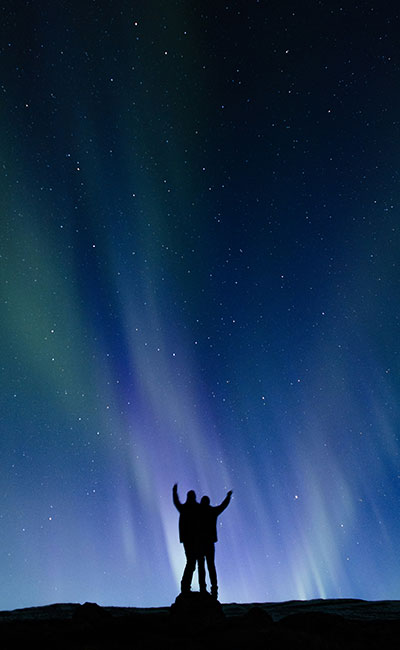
{"type": "Point", "coordinates": [199, 284]}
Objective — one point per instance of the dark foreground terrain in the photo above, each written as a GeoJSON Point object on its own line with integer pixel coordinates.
{"type": "Point", "coordinates": [200, 622]}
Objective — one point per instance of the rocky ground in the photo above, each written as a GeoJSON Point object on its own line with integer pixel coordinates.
{"type": "Point", "coordinates": [201, 622]}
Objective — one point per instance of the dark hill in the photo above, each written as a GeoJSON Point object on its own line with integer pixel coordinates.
{"type": "Point", "coordinates": [203, 623]}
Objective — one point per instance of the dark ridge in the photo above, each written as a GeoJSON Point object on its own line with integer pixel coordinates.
{"type": "Point", "coordinates": [200, 621]}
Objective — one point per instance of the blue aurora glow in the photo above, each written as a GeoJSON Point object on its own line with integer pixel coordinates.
{"type": "Point", "coordinates": [199, 245]}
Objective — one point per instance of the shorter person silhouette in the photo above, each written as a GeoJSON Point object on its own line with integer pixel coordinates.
{"type": "Point", "coordinates": [207, 537]}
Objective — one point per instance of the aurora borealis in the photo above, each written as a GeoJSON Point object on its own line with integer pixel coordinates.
{"type": "Point", "coordinates": [200, 284]}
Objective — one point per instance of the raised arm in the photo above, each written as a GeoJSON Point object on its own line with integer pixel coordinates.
{"type": "Point", "coordinates": [224, 504]}
{"type": "Point", "coordinates": [175, 497]}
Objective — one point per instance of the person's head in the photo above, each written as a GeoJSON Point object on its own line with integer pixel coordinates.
{"type": "Point", "coordinates": [205, 501]}
{"type": "Point", "coordinates": [191, 496]}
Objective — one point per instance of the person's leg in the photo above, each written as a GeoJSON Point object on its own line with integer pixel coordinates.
{"type": "Point", "coordinates": [202, 573]}
{"type": "Point", "coordinates": [191, 558]}
{"type": "Point", "coordinates": [210, 557]}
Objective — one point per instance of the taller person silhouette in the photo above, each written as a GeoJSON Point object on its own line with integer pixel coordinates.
{"type": "Point", "coordinates": [188, 533]}
{"type": "Point", "coordinates": [207, 537]}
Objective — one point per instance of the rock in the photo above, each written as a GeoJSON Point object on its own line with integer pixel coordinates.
{"type": "Point", "coordinates": [91, 613]}
{"type": "Point", "coordinates": [196, 610]}
{"type": "Point", "coordinates": [258, 618]}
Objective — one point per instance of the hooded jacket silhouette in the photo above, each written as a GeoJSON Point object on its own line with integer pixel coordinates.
{"type": "Point", "coordinates": [208, 519]}
{"type": "Point", "coordinates": [208, 516]}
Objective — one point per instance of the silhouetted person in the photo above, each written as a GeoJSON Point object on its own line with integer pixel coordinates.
{"type": "Point", "coordinates": [188, 533]}
{"type": "Point", "coordinates": [208, 536]}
